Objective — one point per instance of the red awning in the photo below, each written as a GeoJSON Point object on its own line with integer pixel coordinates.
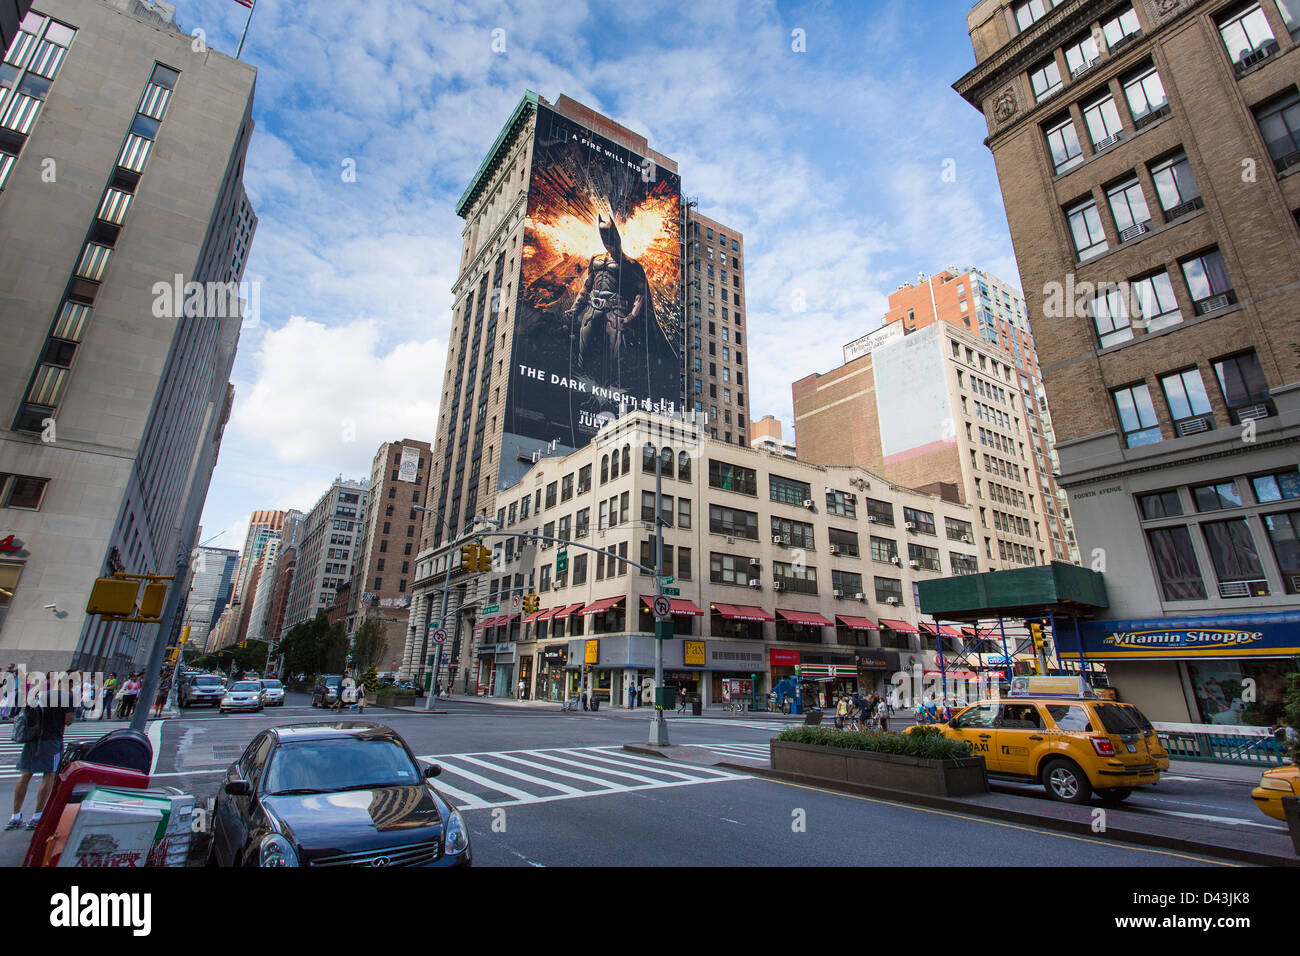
{"type": "Point", "coordinates": [548, 614]}
{"type": "Point", "coordinates": [944, 629]}
{"type": "Point", "coordinates": [681, 606]}
{"type": "Point", "coordinates": [807, 618]}
{"type": "Point", "coordinates": [968, 632]}
{"type": "Point", "coordinates": [601, 606]}
{"type": "Point", "coordinates": [900, 627]}
{"type": "Point", "coordinates": [742, 612]}
{"type": "Point", "coordinates": [566, 611]}
{"type": "Point", "coordinates": [534, 618]}
{"type": "Point", "coordinates": [504, 620]}
{"type": "Point", "coordinates": [856, 623]}
{"type": "Point", "coordinates": [486, 622]}
{"type": "Point", "coordinates": [954, 675]}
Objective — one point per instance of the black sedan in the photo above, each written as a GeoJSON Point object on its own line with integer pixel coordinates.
{"type": "Point", "coordinates": [341, 794]}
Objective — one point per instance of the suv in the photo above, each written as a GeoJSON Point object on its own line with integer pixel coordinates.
{"type": "Point", "coordinates": [1073, 744]}
{"type": "Point", "coordinates": [202, 689]}
{"type": "Point", "coordinates": [326, 691]}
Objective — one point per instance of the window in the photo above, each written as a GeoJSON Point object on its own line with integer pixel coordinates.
{"type": "Point", "coordinates": [1188, 402]}
{"type": "Point", "coordinates": [1045, 78]}
{"type": "Point", "coordinates": [1284, 535]}
{"type": "Point", "coordinates": [922, 521]}
{"type": "Point", "coordinates": [566, 487]}
{"type": "Point", "coordinates": [584, 479]}
{"type": "Point", "coordinates": [1110, 317]}
{"type": "Point", "coordinates": [1129, 207]}
{"type": "Point", "coordinates": [964, 563]}
{"type": "Point", "coordinates": [880, 512]}
{"type": "Point", "coordinates": [884, 550]}
{"type": "Point", "coordinates": [1283, 486]}
{"type": "Point", "coordinates": [1176, 186]}
{"type": "Point", "coordinates": [887, 588]}
{"type": "Point", "coordinates": [684, 563]}
{"type": "Point", "coordinates": [1245, 31]}
{"type": "Point", "coordinates": [1154, 297]}
{"type": "Point", "coordinates": [927, 558]}
{"type": "Point", "coordinates": [733, 478]}
{"type": "Point", "coordinates": [728, 569]}
{"type": "Point", "coordinates": [648, 506]}
{"type": "Point", "coordinates": [1121, 25]}
{"type": "Point", "coordinates": [842, 504]}
{"type": "Point", "coordinates": [792, 534]}
{"type": "Point", "coordinates": [1145, 94]}
{"type": "Point", "coordinates": [846, 582]}
{"type": "Point", "coordinates": [582, 523]}
{"type": "Point", "coordinates": [683, 513]}
{"type": "Point", "coordinates": [801, 580]}
{"type": "Point", "coordinates": [729, 521]}
{"type": "Point", "coordinates": [1245, 391]}
{"type": "Point", "coordinates": [1102, 119]}
{"type": "Point", "coordinates": [1162, 504]}
{"type": "Point", "coordinates": [1208, 282]}
{"type": "Point", "coordinates": [580, 569]}
{"type": "Point", "coordinates": [1217, 497]}
{"type": "Point", "coordinates": [1137, 416]}
{"type": "Point", "coordinates": [551, 490]}
{"type": "Point", "coordinates": [1081, 55]}
{"type": "Point", "coordinates": [1279, 122]}
{"type": "Point", "coordinates": [20, 491]}
{"type": "Point", "coordinates": [1232, 549]}
{"type": "Point", "coordinates": [1086, 228]}
{"type": "Point", "coordinates": [846, 542]}
{"type": "Point", "coordinates": [1063, 143]}
{"type": "Point", "coordinates": [1029, 12]}
{"type": "Point", "coordinates": [1292, 20]}
{"type": "Point", "coordinates": [684, 467]}
{"type": "Point", "coordinates": [956, 530]}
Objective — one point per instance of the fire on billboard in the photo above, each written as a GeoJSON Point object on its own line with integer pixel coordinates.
{"type": "Point", "coordinates": [598, 322]}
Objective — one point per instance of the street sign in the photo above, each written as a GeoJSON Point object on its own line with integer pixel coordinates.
{"type": "Point", "coordinates": [514, 602]}
{"type": "Point", "coordinates": [439, 636]}
{"type": "Point", "coordinates": [562, 562]}
{"type": "Point", "coordinates": [674, 592]}
{"type": "Point", "coordinates": [663, 607]}
{"type": "Point", "coordinates": [491, 609]}
{"type": "Point", "coordinates": [668, 579]}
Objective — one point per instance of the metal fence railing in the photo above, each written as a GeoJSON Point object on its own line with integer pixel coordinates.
{"type": "Point", "coordinates": [1224, 748]}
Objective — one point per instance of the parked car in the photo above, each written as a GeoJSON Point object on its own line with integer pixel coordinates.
{"type": "Point", "coordinates": [272, 692]}
{"type": "Point", "coordinates": [326, 691]}
{"type": "Point", "coordinates": [202, 690]}
{"type": "Point", "coordinates": [245, 695]}
{"type": "Point", "coordinates": [342, 794]}
{"type": "Point", "coordinates": [1273, 786]}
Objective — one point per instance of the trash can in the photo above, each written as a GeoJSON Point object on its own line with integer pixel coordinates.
{"type": "Point", "coordinates": [595, 703]}
{"type": "Point", "coordinates": [697, 707]}
{"type": "Point", "coordinates": [812, 718]}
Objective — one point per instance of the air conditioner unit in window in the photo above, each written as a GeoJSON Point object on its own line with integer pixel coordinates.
{"type": "Point", "coordinates": [1259, 56]}
{"type": "Point", "coordinates": [1243, 589]}
{"type": "Point", "coordinates": [776, 539]}
{"type": "Point", "coordinates": [1252, 412]}
{"type": "Point", "coordinates": [965, 539]}
{"type": "Point", "coordinates": [872, 519]}
{"type": "Point", "coordinates": [838, 593]}
{"type": "Point", "coordinates": [859, 596]}
{"type": "Point", "coordinates": [730, 540]}
{"type": "Point", "coordinates": [1110, 141]}
{"type": "Point", "coordinates": [1132, 232]}
{"type": "Point", "coordinates": [835, 549]}
{"type": "Point", "coordinates": [1213, 304]}
{"type": "Point", "coordinates": [755, 563]}
{"type": "Point", "coordinates": [895, 560]}
{"type": "Point", "coordinates": [809, 503]}
{"type": "Point", "coordinates": [892, 601]}
{"type": "Point", "coordinates": [910, 526]}
{"type": "Point", "coordinates": [913, 564]}
{"type": "Point", "coordinates": [778, 586]}
{"type": "Point", "coordinates": [755, 583]}
{"type": "Point", "coordinates": [1194, 426]}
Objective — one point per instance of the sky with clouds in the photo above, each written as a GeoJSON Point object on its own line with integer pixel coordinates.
{"type": "Point", "coordinates": [830, 161]}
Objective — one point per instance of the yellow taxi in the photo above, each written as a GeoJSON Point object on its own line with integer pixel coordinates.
{"type": "Point", "coordinates": [1273, 786]}
{"type": "Point", "coordinates": [1056, 732]}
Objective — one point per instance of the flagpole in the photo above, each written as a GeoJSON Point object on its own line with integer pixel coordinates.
{"type": "Point", "coordinates": [251, 10]}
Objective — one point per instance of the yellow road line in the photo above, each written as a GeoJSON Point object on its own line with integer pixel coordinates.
{"type": "Point", "coordinates": [1002, 823]}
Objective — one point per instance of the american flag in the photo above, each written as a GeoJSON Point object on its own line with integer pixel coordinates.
{"type": "Point", "coordinates": [246, 3]}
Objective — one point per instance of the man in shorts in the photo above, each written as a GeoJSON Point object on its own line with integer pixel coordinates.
{"type": "Point", "coordinates": [41, 755]}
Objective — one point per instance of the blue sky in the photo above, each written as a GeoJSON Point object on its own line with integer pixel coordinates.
{"type": "Point", "coordinates": [830, 161]}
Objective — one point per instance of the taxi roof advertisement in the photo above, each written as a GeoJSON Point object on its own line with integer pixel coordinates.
{"type": "Point", "coordinates": [598, 323]}
{"type": "Point", "coordinates": [1253, 635]}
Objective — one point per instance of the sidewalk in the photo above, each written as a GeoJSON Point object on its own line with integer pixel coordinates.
{"type": "Point", "coordinates": [1243, 774]}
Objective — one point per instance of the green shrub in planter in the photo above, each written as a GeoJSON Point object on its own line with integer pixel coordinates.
{"type": "Point", "coordinates": [931, 745]}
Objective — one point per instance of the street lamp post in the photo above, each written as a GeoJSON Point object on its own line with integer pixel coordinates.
{"type": "Point", "coordinates": [442, 617]}
{"type": "Point", "coordinates": [659, 726]}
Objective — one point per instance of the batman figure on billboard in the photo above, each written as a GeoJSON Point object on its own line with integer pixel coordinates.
{"type": "Point", "coordinates": [612, 315]}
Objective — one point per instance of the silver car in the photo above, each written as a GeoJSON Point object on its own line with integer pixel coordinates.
{"type": "Point", "coordinates": [245, 695]}
{"type": "Point", "coordinates": [272, 692]}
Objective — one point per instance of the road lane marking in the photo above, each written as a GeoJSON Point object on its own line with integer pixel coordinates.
{"type": "Point", "coordinates": [1009, 826]}
{"type": "Point", "coordinates": [527, 778]}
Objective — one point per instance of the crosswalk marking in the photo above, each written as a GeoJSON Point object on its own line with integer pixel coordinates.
{"type": "Point", "coordinates": [480, 780]}
{"type": "Point", "coordinates": [774, 726]}
{"type": "Point", "coordinates": [10, 751]}
{"type": "Point", "coordinates": [759, 752]}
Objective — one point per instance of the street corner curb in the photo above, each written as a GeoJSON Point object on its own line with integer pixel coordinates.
{"type": "Point", "coordinates": [1006, 815]}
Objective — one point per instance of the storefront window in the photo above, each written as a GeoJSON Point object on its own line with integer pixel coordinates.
{"type": "Point", "coordinates": [1243, 692]}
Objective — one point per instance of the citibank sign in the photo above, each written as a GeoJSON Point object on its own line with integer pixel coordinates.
{"type": "Point", "coordinates": [1177, 640]}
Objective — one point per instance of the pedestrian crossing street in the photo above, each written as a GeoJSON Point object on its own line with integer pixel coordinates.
{"type": "Point", "coordinates": [474, 781]}
{"type": "Point", "coordinates": [750, 753]}
{"type": "Point", "coordinates": [83, 732]}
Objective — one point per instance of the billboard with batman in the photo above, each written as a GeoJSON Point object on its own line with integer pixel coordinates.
{"type": "Point", "coordinates": [598, 322]}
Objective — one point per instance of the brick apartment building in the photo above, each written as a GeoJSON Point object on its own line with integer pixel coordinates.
{"type": "Point", "coordinates": [1147, 154]}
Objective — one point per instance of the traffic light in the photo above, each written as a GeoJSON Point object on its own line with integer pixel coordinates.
{"type": "Point", "coordinates": [469, 557]}
{"type": "Point", "coordinates": [484, 558]}
{"type": "Point", "coordinates": [531, 603]}
{"type": "Point", "coordinates": [1036, 633]}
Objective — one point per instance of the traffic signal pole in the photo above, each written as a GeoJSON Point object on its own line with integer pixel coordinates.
{"type": "Point", "coordinates": [659, 726]}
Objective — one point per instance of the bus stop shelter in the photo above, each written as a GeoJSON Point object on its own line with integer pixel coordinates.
{"type": "Point", "coordinates": [1058, 594]}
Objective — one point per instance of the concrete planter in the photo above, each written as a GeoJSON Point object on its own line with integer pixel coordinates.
{"type": "Point", "coordinates": [941, 778]}
{"type": "Point", "coordinates": [385, 701]}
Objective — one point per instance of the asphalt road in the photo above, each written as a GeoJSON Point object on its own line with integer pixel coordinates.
{"type": "Point", "coordinates": [545, 788]}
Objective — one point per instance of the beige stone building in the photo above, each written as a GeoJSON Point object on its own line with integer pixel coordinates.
{"type": "Point", "coordinates": [1147, 154]}
{"type": "Point", "coordinates": [943, 411]}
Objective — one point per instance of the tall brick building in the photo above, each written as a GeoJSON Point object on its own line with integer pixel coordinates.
{"type": "Point", "coordinates": [1147, 154]}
